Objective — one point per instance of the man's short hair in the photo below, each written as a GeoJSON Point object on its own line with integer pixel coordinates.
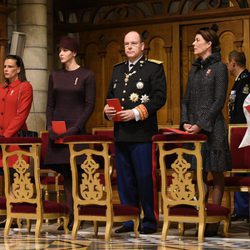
{"type": "Point", "coordinates": [238, 57]}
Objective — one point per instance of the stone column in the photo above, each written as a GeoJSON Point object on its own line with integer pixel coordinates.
{"type": "Point", "coordinates": [31, 19]}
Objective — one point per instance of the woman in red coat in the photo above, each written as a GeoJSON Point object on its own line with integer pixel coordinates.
{"type": "Point", "coordinates": [16, 97]}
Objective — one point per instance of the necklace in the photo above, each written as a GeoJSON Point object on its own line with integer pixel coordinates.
{"type": "Point", "coordinates": [128, 75]}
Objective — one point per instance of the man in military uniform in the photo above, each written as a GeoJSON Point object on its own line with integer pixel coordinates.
{"type": "Point", "coordinates": [241, 88]}
{"type": "Point", "coordinates": [140, 86]}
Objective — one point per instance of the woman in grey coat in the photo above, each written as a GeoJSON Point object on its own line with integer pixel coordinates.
{"type": "Point", "coordinates": [202, 107]}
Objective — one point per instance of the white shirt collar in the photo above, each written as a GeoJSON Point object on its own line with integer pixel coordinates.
{"type": "Point", "coordinates": [134, 63]}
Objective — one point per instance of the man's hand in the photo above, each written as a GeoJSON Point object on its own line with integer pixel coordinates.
{"type": "Point", "coordinates": [126, 115]}
{"type": "Point", "coordinates": [110, 112]}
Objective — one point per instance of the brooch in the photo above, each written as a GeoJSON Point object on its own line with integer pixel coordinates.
{"type": "Point", "coordinates": [208, 72]}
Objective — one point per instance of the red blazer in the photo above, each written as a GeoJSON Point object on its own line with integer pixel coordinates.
{"type": "Point", "coordinates": [15, 103]}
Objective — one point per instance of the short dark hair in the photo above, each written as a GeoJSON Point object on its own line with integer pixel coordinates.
{"type": "Point", "coordinates": [210, 35]}
{"type": "Point", "coordinates": [238, 57]}
{"type": "Point", "coordinates": [20, 64]}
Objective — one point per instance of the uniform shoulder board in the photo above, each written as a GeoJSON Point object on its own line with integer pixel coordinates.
{"type": "Point", "coordinates": [155, 61]}
{"type": "Point", "coordinates": [119, 63]}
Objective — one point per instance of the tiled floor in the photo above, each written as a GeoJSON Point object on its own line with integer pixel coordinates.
{"type": "Point", "coordinates": [51, 239]}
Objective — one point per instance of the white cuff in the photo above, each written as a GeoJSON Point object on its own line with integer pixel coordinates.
{"type": "Point", "coordinates": [137, 114]}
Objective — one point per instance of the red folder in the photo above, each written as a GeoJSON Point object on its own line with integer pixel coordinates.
{"type": "Point", "coordinates": [115, 103]}
{"type": "Point", "coordinates": [59, 127]}
{"type": "Point", "coordinates": [173, 131]}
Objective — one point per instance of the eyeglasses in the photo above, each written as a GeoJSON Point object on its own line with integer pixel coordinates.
{"type": "Point", "coordinates": [132, 44]}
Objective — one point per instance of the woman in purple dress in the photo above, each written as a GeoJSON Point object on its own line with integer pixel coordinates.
{"type": "Point", "coordinates": [71, 98]}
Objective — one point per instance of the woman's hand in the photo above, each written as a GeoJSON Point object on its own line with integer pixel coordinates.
{"type": "Point", "coordinates": [191, 129]}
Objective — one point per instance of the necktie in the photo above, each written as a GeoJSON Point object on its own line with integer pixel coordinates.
{"type": "Point", "coordinates": [131, 65]}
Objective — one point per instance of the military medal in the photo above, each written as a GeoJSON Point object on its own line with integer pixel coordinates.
{"type": "Point", "coordinates": [139, 84]}
{"type": "Point", "coordinates": [134, 97]}
{"type": "Point", "coordinates": [245, 90]}
{"type": "Point", "coordinates": [144, 98]}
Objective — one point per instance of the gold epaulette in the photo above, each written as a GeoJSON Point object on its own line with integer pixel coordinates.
{"type": "Point", "coordinates": [155, 61]}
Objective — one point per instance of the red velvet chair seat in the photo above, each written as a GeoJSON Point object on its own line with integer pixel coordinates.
{"type": "Point", "coordinates": [48, 207]}
{"type": "Point", "coordinates": [50, 180]}
{"type": "Point", "coordinates": [101, 210]}
{"type": "Point", "coordinates": [2, 203]}
{"type": "Point", "coordinates": [234, 181]}
{"type": "Point", "coordinates": [211, 209]}
{"type": "Point", "coordinates": [237, 181]}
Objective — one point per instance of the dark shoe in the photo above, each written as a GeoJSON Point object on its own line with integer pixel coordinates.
{"type": "Point", "coordinates": [124, 229]}
{"type": "Point", "coordinates": [237, 217]}
{"type": "Point", "coordinates": [148, 230]}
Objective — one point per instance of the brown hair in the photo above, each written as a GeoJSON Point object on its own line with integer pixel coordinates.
{"type": "Point", "coordinates": [19, 64]}
{"type": "Point", "coordinates": [210, 35]}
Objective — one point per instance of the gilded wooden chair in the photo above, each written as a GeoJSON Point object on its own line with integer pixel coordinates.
{"type": "Point", "coordinates": [182, 187]}
{"type": "Point", "coordinates": [240, 164]}
{"type": "Point", "coordinates": [92, 196]}
{"type": "Point", "coordinates": [3, 211]}
{"type": "Point", "coordinates": [107, 131]}
{"type": "Point", "coordinates": [156, 168]}
{"type": "Point", "coordinates": [22, 185]}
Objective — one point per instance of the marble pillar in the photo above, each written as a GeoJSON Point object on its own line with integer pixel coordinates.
{"type": "Point", "coordinates": [31, 19]}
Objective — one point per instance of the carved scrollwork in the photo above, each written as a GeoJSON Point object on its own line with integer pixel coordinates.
{"type": "Point", "coordinates": [115, 12]}
{"type": "Point", "coordinates": [91, 188]}
{"type": "Point", "coordinates": [182, 187]}
{"type": "Point", "coordinates": [22, 186]}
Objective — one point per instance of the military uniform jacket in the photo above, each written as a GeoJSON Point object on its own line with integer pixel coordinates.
{"type": "Point", "coordinates": [242, 89]}
{"type": "Point", "coordinates": [144, 84]}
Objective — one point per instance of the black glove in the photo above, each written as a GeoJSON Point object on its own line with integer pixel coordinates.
{"type": "Point", "coordinates": [52, 135]}
{"type": "Point", "coordinates": [70, 131]}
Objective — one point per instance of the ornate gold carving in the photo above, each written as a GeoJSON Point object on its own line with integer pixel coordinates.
{"type": "Point", "coordinates": [22, 186]}
{"type": "Point", "coordinates": [91, 188]}
{"type": "Point", "coordinates": [181, 187]}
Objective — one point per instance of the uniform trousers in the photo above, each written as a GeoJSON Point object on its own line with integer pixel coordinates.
{"type": "Point", "coordinates": [241, 202]}
{"type": "Point", "coordinates": [134, 176]}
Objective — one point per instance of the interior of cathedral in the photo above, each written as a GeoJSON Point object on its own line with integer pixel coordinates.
{"type": "Point", "coordinates": [168, 28]}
